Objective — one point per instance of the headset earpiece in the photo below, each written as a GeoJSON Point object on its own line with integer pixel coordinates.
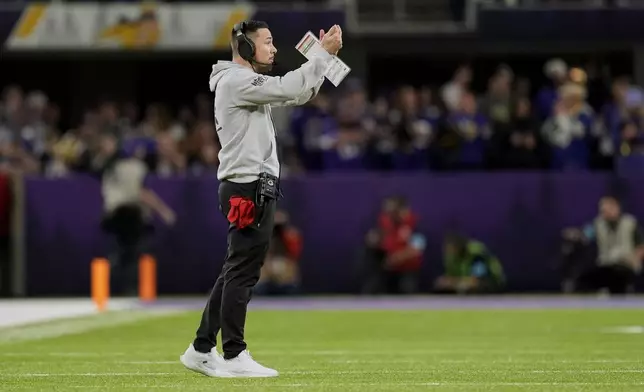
{"type": "Point", "coordinates": [245, 46]}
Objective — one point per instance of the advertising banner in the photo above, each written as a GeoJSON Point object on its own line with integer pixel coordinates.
{"type": "Point", "coordinates": [147, 26]}
{"type": "Point", "coordinates": [117, 26]}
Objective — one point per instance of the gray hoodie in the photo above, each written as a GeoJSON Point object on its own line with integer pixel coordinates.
{"type": "Point", "coordinates": [243, 118]}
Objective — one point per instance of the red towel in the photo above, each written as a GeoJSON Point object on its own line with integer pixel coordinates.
{"type": "Point", "coordinates": [242, 211]}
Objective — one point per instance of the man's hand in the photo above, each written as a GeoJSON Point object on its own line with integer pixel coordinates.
{"type": "Point", "coordinates": [150, 199]}
{"type": "Point", "coordinates": [572, 234]}
{"type": "Point", "coordinates": [331, 41]}
{"type": "Point", "coordinates": [168, 217]}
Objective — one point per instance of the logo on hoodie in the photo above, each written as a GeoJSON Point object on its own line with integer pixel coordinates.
{"type": "Point", "coordinates": [258, 81]}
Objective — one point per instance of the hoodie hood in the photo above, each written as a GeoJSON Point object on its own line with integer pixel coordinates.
{"type": "Point", "coordinates": [218, 71]}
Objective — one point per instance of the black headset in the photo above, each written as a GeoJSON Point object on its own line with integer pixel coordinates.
{"type": "Point", "coordinates": [245, 46]}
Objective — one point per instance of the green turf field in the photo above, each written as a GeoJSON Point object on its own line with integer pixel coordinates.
{"type": "Point", "coordinates": [459, 350]}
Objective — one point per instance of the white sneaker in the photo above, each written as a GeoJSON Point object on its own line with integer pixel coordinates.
{"type": "Point", "coordinates": [244, 365]}
{"type": "Point", "coordinates": [209, 364]}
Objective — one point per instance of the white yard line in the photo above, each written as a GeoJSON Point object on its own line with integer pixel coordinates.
{"type": "Point", "coordinates": [15, 312]}
{"type": "Point", "coordinates": [67, 326]}
{"type": "Point", "coordinates": [628, 330]}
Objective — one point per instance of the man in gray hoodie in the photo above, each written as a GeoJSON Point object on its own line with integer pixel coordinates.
{"type": "Point", "coordinates": [249, 173]}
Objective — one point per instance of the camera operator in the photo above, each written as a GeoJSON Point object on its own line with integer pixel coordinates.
{"type": "Point", "coordinates": [620, 250]}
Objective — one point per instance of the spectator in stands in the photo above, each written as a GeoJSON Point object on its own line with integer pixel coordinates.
{"type": "Point", "coordinates": [616, 112]}
{"type": "Point", "coordinates": [87, 141]}
{"type": "Point", "coordinates": [34, 132]}
{"type": "Point", "coordinates": [202, 149]}
{"type": "Point", "coordinates": [429, 108]}
{"type": "Point", "coordinates": [280, 274]}
{"type": "Point", "coordinates": [452, 92]}
{"type": "Point", "coordinates": [186, 119]}
{"type": "Point", "coordinates": [313, 128]}
{"type": "Point", "coordinates": [348, 143]}
{"type": "Point", "coordinates": [109, 118]}
{"type": "Point", "coordinates": [620, 250]}
{"type": "Point", "coordinates": [632, 139]}
{"type": "Point", "coordinates": [157, 119]}
{"type": "Point", "coordinates": [597, 84]}
{"type": "Point", "coordinates": [381, 139]}
{"type": "Point", "coordinates": [23, 133]}
{"type": "Point", "coordinates": [525, 148]}
{"type": "Point", "coordinates": [465, 137]}
{"type": "Point", "coordinates": [523, 88]}
{"type": "Point", "coordinates": [510, 118]}
{"type": "Point", "coordinates": [498, 103]}
{"type": "Point", "coordinates": [470, 268]}
{"type": "Point", "coordinates": [12, 103]}
{"type": "Point", "coordinates": [204, 107]}
{"type": "Point", "coordinates": [129, 120]}
{"type": "Point", "coordinates": [622, 119]}
{"type": "Point", "coordinates": [394, 251]}
{"type": "Point", "coordinates": [568, 131]}
{"type": "Point", "coordinates": [69, 152]}
{"type": "Point", "coordinates": [167, 160]}
{"type": "Point", "coordinates": [412, 132]}
{"type": "Point", "coordinates": [557, 71]}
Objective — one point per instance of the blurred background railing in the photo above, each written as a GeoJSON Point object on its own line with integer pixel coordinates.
{"type": "Point", "coordinates": [406, 16]}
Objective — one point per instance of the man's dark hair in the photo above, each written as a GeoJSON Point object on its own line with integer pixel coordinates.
{"type": "Point", "coordinates": [251, 27]}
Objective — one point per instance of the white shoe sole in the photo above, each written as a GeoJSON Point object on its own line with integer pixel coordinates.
{"type": "Point", "coordinates": [203, 370]}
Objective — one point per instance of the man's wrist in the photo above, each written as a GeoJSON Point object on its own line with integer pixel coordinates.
{"type": "Point", "coordinates": [326, 56]}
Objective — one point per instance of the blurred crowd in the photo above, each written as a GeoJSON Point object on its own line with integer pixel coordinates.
{"type": "Point", "coordinates": [31, 140]}
{"type": "Point", "coordinates": [579, 120]}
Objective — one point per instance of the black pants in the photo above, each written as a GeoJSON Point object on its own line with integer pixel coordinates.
{"type": "Point", "coordinates": [379, 280]}
{"type": "Point", "coordinates": [247, 248]}
{"type": "Point", "coordinates": [616, 278]}
{"type": "Point", "coordinates": [128, 229]}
